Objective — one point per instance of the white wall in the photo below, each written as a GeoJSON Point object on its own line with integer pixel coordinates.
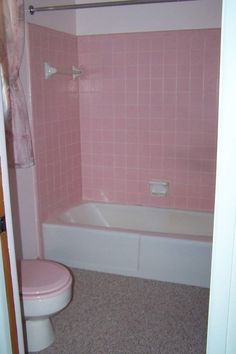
{"type": "Point", "coordinates": [24, 198]}
{"type": "Point", "coordinates": [222, 310]}
{"type": "Point", "coordinates": [64, 21]}
{"type": "Point", "coordinates": [122, 19]}
{"type": "Point", "coordinates": [25, 212]}
{"type": "Point", "coordinates": [150, 17]}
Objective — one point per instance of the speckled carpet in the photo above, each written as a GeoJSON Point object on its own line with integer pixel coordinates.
{"type": "Point", "coordinates": [112, 314]}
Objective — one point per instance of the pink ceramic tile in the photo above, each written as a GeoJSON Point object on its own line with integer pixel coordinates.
{"type": "Point", "coordinates": [164, 106]}
{"type": "Point", "coordinates": [146, 110]}
{"type": "Point", "coordinates": [57, 145]}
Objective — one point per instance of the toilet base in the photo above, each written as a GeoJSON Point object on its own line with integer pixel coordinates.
{"type": "Point", "coordinates": [40, 334]}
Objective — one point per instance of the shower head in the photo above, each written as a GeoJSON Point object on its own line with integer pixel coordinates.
{"type": "Point", "coordinates": [49, 71]}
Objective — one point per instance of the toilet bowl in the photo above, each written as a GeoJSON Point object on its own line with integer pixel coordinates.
{"type": "Point", "coordinates": [46, 288]}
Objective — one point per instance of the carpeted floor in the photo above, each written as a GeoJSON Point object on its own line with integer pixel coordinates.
{"type": "Point", "coordinates": [112, 314]}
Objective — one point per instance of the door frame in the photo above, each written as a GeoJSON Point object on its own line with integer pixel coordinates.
{"type": "Point", "coordinates": [10, 239]}
{"type": "Point", "coordinates": [222, 307]}
{"type": "Point", "coordinates": [5, 336]}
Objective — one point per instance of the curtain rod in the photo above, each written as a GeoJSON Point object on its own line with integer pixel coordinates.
{"type": "Point", "coordinates": [33, 9]}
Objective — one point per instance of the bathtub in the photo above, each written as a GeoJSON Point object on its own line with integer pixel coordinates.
{"type": "Point", "coordinates": [153, 243]}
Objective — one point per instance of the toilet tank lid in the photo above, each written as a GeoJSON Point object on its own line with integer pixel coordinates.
{"type": "Point", "coordinates": [40, 277]}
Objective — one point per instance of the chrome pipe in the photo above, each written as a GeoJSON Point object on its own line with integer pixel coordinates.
{"type": "Point", "coordinates": [33, 9]}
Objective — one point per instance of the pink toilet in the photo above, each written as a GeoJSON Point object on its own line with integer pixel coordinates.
{"type": "Point", "coordinates": [46, 288]}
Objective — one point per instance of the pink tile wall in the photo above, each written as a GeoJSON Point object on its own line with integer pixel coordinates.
{"type": "Point", "coordinates": [148, 111]}
{"type": "Point", "coordinates": [56, 130]}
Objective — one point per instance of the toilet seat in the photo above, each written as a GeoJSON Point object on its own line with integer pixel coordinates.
{"type": "Point", "coordinates": [42, 278]}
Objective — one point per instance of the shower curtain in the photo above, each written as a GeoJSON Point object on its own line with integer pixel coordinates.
{"type": "Point", "coordinates": [19, 143]}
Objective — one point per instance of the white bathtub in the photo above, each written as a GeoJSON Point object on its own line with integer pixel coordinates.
{"type": "Point", "coordinates": [160, 244]}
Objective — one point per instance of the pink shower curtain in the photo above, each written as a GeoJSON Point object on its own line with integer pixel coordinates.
{"type": "Point", "coordinates": [19, 143]}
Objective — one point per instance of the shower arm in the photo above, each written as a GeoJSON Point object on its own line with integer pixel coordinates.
{"type": "Point", "coordinates": [74, 72]}
{"type": "Point", "coordinates": [50, 71]}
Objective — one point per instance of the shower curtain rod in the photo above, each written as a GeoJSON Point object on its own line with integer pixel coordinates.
{"type": "Point", "coordinates": [33, 9]}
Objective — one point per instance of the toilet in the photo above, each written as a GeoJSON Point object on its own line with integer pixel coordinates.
{"type": "Point", "coordinates": [46, 288]}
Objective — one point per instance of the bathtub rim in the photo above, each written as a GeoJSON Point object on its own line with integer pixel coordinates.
{"type": "Point", "coordinates": [62, 210]}
{"type": "Point", "coordinates": [55, 220]}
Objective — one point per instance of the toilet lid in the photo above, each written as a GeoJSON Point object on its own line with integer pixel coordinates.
{"type": "Point", "coordinates": [40, 277]}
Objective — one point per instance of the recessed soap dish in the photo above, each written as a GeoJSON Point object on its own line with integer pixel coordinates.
{"type": "Point", "coordinates": [159, 188]}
